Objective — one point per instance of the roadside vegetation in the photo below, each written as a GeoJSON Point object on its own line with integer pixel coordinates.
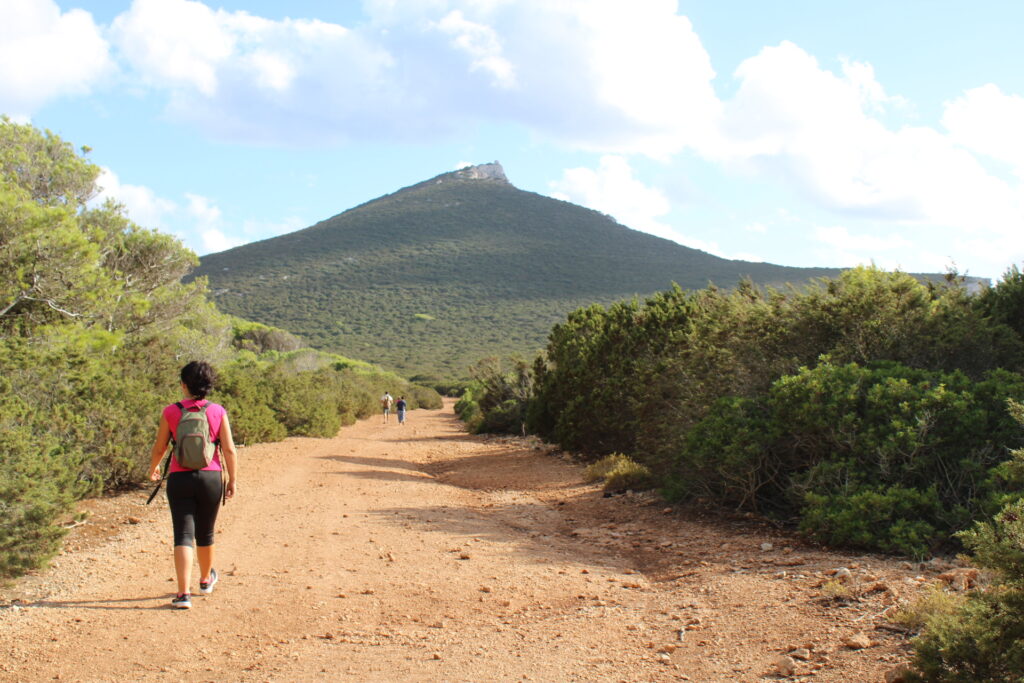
{"type": "Point", "coordinates": [980, 639]}
{"type": "Point", "coordinates": [872, 411]}
{"type": "Point", "coordinates": [95, 323]}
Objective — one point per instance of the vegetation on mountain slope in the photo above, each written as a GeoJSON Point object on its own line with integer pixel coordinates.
{"type": "Point", "coordinates": [431, 278]}
{"type": "Point", "coordinates": [95, 324]}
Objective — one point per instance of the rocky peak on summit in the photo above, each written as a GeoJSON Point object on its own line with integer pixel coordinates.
{"type": "Point", "coordinates": [492, 171]}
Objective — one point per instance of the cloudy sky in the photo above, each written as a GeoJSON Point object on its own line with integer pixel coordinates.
{"type": "Point", "coordinates": [801, 133]}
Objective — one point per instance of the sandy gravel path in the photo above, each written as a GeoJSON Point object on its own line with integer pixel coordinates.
{"type": "Point", "coordinates": [421, 553]}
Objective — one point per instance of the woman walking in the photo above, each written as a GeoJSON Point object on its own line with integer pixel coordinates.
{"type": "Point", "coordinates": [201, 436]}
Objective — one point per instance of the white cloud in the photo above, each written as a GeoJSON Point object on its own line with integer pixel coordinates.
{"type": "Point", "coordinates": [175, 43]}
{"type": "Point", "coordinates": [612, 189]}
{"type": "Point", "coordinates": [990, 122]}
{"type": "Point", "coordinates": [840, 237]}
{"type": "Point", "coordinates": [793, 122]}
{"type": "Point", "coordinates": [208, 225]}
{"type": "Point", "coordinates": [141, 203]}
{"type": "Point", "coordinates": [203, 210]}
{"type": "Point", "coordinates": [597, 73]}
{"type": "Point", "coordinates": [244, 77]}
{"type": "Point", "coordinates": [873, 97]}
{"type": "Point", "coordinates": [482, 44]}
{"type": "Point", "coordinates": [45, 54]}
{"type": "Point", "coordinates": [214, 240]}
{"type": "Point", "coordinates": [836, 246]}
{"type": "Point", "coordinates": [747, 256]}
{"type": "Point", "coordinates": [198, 222]}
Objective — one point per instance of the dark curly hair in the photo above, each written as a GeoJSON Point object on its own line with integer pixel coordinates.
{"type": "Point", "coordinates": [199, 376]}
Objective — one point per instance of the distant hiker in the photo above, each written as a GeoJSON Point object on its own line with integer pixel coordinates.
{"type": "Point", "coordinates": [400, 407]}
{"type": "Point", "coordinates": [200, 435]}
{"type": "Point", "coordinates": [385, 403]}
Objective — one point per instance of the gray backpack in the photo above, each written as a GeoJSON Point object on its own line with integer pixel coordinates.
{"type": "Point", "coordinates": [193, 447]}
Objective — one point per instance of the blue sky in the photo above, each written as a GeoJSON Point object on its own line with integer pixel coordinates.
{"type": "Point", "coordinates": [802, 133]}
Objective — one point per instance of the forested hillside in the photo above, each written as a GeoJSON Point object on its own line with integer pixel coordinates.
{"type": "Point", "coordinates": [95, 324]}
{"type": "Point", "coordinates": [437, 275]}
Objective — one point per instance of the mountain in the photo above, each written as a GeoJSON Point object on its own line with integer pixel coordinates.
{"type": "Point", "coordinates": [435, 276]}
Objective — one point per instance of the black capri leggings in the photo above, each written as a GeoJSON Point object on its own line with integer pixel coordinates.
{"type": "Point", "coordinates": [194, 497]}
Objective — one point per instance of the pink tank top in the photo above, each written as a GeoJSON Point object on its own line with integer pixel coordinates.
{"type": "Point", "coordinates": [215, 414]}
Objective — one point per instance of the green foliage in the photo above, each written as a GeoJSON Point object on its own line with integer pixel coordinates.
{"type": "Point", "coordinates": [598, 388]}
{"type": "Point", "coordinates": [1004, 303]}
{"type": "Point", "coordinates": [425, 397]}
{"type": "Point", "coordinates": [869, 408]}
{"type": "Point", "coordinates": [890, 519]}
{"type": "Point", "coordinates": [306, 393]}
{"type": "Point", "coordinates": [260, 338]}
{"type": "Point", "coordinates": [38, 483]}
{"type": "Point", "coordinates": [726, 457]}
{"type": "Point", "coordinates": [501, 396]}
{"type": "Point", "coordinates": [245, 392]}
{"type": "Point", "coordinates": [468, 409]}
{"type": "Point", "coordinates": [983, 640]}
{"type": "Point", "coordinates": [981, 643]}
{"type": "Point", "coordinates": [885, 457]}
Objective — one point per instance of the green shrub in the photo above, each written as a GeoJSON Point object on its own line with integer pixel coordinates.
{"type": "Point", "coordinates": [502, 396]}
{"type": "Point", "coordinates": [40, 479]}
{"type": "Point", "coordinates": [727, 457]}
{"type": "Point", "coordinates": [245, 392]}
{"type": "Point", "coordinates": [424, 397]}
{"type": "Point", "coordinates": [983, 641]}
{"type": "Point", "coordinates": [893, 519]}
{"type": "Point", "coordinates": [620, 473]}
{"type": "Point", "coordinates": [504, 418]}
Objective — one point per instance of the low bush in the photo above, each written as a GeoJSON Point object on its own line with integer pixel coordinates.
{"type": "Point", "coordinates": [468, 409]}
{"type": "Point", "coordinates": [983, 640]}
{"type": "Point", "coordinates": [424, 397]}
{"type": "Point", "coordinates": [496, 401]}
{"type": "Point", "coordinates": [620, 473]}
{"type": "Point", "coordinates": [934, 602]}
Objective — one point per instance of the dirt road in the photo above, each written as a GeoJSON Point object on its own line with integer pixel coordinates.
{"type": "Point", "coordinates": [421, 553]}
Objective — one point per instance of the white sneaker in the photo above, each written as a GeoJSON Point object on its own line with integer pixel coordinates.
{"type": "Point", "coordinates": [206, 587]}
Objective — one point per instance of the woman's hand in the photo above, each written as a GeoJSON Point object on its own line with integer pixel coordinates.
{"type": "Point", "coordinates": [154, 474]}
{"type": "Point", "coordinates": [229, 489]}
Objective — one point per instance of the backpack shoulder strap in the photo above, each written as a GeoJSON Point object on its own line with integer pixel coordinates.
{"type": "Point", "coordinates": [181, 407]}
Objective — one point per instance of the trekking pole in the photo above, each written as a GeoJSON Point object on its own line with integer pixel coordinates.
{"type": "Point", "coordinates": [163, 475]}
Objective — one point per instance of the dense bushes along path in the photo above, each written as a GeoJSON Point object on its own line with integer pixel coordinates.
{"type": "Point", "coordinates": [425, 554]}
